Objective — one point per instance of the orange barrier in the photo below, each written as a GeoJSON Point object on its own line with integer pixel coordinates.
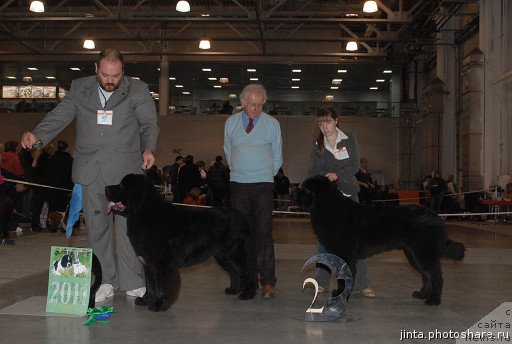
{"type": "Point", "coordinates": [409, 196]}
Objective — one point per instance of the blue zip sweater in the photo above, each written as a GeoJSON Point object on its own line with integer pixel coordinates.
{"type": "Point", "coordinates": [255, 157]}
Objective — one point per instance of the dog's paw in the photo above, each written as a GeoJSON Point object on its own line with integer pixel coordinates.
{"type": "Point", "coordinates": [166, 304]}
{"type": "Point", "coordinates": [159, 306]}
{"type": "Point", "coordinates": [141, 301]}
{"type": "Point", "coordinates": [433, 301]}
{"type": "Point", "coordinates": [154, 307]}
{"type": "Point", "coordinates": [230, 291]}
{"type": "Point", "coordinates": [418, 295]}
{"type": "Point", "coordinates": [247, 295]}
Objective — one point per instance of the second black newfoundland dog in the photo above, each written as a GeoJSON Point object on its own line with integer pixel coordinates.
{"type": "Point", "coordinates": [353, 231]}
{"type": "Point", "coordinates": [167, 237]}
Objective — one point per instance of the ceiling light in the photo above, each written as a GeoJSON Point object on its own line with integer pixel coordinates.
{"type": "Point", "coordinates": [10, 77]}
{"type": "Point", "coordinates": [217, 86]}
{"type": "Point", "coordinates": [32, 68]}
{"type": "Point", "coordinates": [251, 70]}
{"type": "Point", "coordinates": [183, 6]}
{"type": "Point", "coordinates": [178, 86]}
{"type": "Point", "coordinates": [295, 87]}
{"type": "Point", "coordinates": [334, 87]}
{"type": "Point", "coordinates": [27, 78]}
{"type": "Point", "coordinates": [135, 77]}
{"type": "Point", "coordinates": [206, 69]}
{"type": "Point", "coordinates": [342, 70]}
{"type": "Point", "coordinates": [89, 44]}
{"type": "Point", "coordinates": [387, 71]}
{"type": "Point", "coordinates": [223, 80]}
{"type": "Point", "coordinates": [336, 81]}
{"type": "Point", "coordinates": [351, 46]}
{"type": "Point", "coordinates": [253, 79]}
{"type": "Point", "coordinates": [232, 96]}
{"type": "Point", "coordinates": [374, 88]}
{"type": "Point", "coordinates": [49, 77]}
{"type": "Point", "coordinates": [296, 70]}
{"type": "Point", "coordinates": [212, 79]}
{"type": "Point", "coordinates": [172, 78]}
{"type": "Point", "coordinates": [380, 80]}
{"type": "Point", "coordinates": [37, 6]}
{"type": "Point", "coordinates": [185, 92]}
{"type": "Point", "coordinates": [329, 97]}
{"type": "Point", "coordinates": [204, 44]}
{"type": "Point", "coordinates": [295, 79]}
{"type": "Point", "coordinates": [74, 68]}
{"type": "Point", "coordinates": [370, 6]}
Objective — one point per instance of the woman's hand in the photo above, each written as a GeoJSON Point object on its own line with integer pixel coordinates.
{"type": "Point", "coordinates": [332, 176]}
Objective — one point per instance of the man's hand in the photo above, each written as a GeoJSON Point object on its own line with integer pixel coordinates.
{"type": "Point", "coordinates": [28, 140]}
{"type": "Point", "coordinates": [148, 159]}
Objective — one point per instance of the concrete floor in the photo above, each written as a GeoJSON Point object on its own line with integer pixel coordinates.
{"type": "Point", "coordinates": [203, 314]}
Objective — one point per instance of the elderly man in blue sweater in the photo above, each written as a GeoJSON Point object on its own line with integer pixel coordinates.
{"type": "Point", "coordinates": [252, 146]}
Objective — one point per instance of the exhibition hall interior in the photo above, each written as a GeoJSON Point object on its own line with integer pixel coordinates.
{"type": "Point", "coordinates": [424, 86]}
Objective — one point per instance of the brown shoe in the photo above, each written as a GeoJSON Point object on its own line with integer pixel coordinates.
{"type": "Point", "coordinates": [268, 292]}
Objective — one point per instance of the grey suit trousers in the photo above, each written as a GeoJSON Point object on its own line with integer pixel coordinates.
{"type": "Point", "coordinates": [109, 241]}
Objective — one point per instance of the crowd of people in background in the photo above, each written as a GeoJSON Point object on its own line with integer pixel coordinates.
{"type": "Point", "coordinates": [49, 166]}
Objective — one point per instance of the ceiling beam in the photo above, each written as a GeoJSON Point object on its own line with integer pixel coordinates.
{"type": "Point", "coordinates": [139, 18]}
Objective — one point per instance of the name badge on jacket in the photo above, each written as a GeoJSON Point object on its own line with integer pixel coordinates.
{"type": "Point", "coordinates": [341, 153]}
{"type": "Point", "coordinates": [104, 117]}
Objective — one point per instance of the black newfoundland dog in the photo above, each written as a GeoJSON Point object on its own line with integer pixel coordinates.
{"type": "Point", "coordinates": [167, 237]}
{"type": "Point", "coordinates": [353, 231]}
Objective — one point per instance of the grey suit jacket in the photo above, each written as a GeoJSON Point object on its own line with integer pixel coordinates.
{"type": "Point", "coordinates": [112, 150]}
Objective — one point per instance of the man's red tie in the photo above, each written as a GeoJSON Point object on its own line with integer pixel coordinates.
{"type": "Point", "coordinates": [249, 126]}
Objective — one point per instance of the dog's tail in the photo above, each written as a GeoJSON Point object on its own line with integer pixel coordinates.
{"type": "Point", "coordinates": [454, 250]}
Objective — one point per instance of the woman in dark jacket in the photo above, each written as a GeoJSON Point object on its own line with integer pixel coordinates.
{"type": "Point", "coordinates": [335, 154]}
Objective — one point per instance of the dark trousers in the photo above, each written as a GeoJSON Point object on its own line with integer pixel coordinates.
{"type": "Point", "coordinates": [218, 196]}
{"type": "Point", "coordinates": [38, 198]}
{"type": "Point", "coordinates": [255, 201]}
{"type": "Point", "coordinates": [436, 202]}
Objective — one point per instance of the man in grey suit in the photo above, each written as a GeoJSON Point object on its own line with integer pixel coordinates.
{"type": "Point", "coordinates": [116, 131]}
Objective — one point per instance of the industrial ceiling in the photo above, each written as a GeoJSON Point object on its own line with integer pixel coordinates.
{"type": "Point", "coordinates": [272, 35]}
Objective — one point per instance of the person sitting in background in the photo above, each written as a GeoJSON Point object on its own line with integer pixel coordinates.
{"type": "Point", "coordinates": [154, 175]}
{"type": "Point", "coordinates": [217, 179]}
{"type": "Point", "coordinates": [11, 168]}
{"type": "Point", "coordinates": [173, 173]}
{"type": "Point", "coordinates": [10, 161]}
{"type": "Point", "coordinates": [437, 189]}
{"type": "Point", "coordinates": [188, 177]}
{"type": "Point", "coordinates": [58, 174]}
{"type": "Point", "coordinates": [195, 197]}
{"type": "Point", "coordinates": [365, 181]}
{"type": "Point", "coordinates": [282, 188]}
{"type": "Point", "coordinates": [201, 167]}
